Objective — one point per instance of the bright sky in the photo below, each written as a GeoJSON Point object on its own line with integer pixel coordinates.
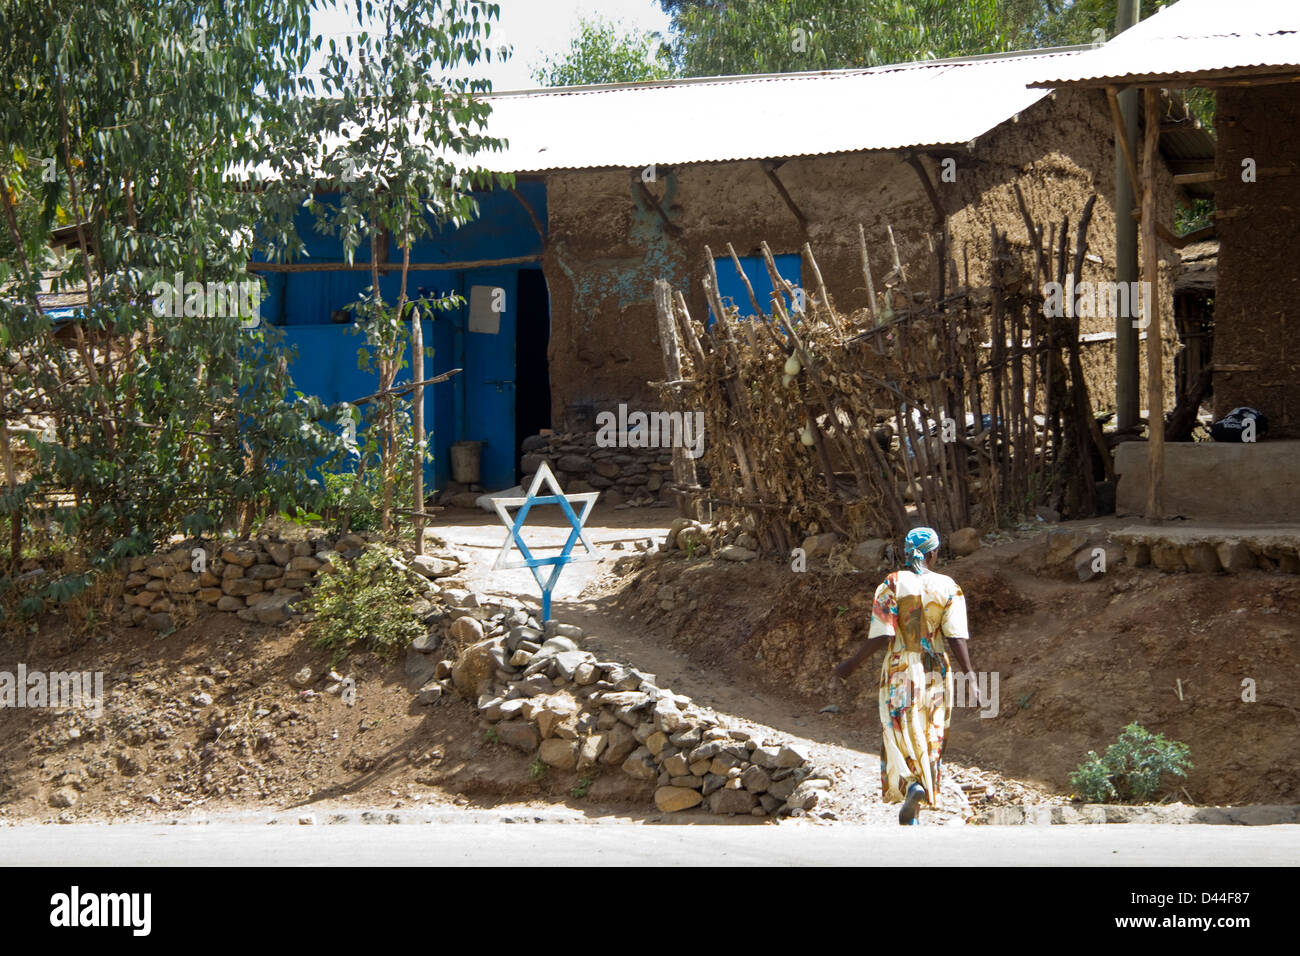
{"type": "Point", "coordinates": [535, 28]}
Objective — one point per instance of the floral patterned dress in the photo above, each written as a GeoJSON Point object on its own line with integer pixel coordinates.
{"type": "Point", "coordinates": [916, 682]}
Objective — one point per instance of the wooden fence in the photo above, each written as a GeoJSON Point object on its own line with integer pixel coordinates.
{"type": "Point", "coordinates": [947, 408]}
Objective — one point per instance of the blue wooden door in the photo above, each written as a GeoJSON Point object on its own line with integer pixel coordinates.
{"type": "Point", "coordinates": [490, 314]}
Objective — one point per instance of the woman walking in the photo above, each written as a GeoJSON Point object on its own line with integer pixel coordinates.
{"type": "Point", "coordinates": [918, 615]}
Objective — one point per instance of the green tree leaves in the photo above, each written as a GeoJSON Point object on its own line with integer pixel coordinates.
{"type": "Point", "coordinates": [605, 52]}
{"type": "Point", "coordinates": [122, 123]}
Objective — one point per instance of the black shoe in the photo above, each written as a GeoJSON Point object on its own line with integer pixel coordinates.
{"type": "Point", "coordinates": [911, 806]}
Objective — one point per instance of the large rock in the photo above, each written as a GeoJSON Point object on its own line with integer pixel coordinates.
{"type": "Point", "coordinates": [553, 711]}
{"type": "Point", "coordinates": [240, 587]}
{"type": "Point", "coordinates": [1234, 555]}
{"type": "Point", "coordinates": [558, 753]}
{"type": "Point", "coordinates": [590, 749]}
{"type": "Point", "coordinates": [279, 551]}
{"type": "Point", "coordinates": [964, 541]}
{"type": "Point", "coordinates": [568, 662]}
{"type": "Point", "coordinates": [677, 765]}
{"type": "Point", "coordinates": [432, 567]}
{"type": "Point", "coordinates": [727, 801]}
{"type": "Point", "coordinates": [466, 630]}
{"type": "Point", "coordinates": [819, 545]}
{"type": "Point", "coordinates": [1201, 558]}
{"type": "Point", "coordinates": [574, 463]}
{"type": "Point", "coordinates": [420, 668]}
{"type": "Point", "coordinates": [790, 756]}
{"type": "Point", "coordinates": [429, 693]}
{"type": "Point", "coordinates": [755, 780]}
{"type": "Point", "coordinates": [676, 799]}
{"type": "Point", "coordinates": [274, 611]}
{"type": "Point", "coordinates": [522, 634]}
{"type": "Point", "coordinates": [243, 557]}
{"type": "Point", "coordinates": [475, 666]}
{"type": "Point", "coordinates": [1167, 557]}
{"type": "Point", "coordinates": [427, 643]}
{"type": "Point", "coordinates": [641, 765]}
{"type": "Point", "coordinates": [668, 718]}
{"type": "Point", "coordinates": [735, 553]}
{"type": "Point", "coordinates": [183, 582]}
{"type": "Point", "coordinates": [619, 746]}
{"type": "Point", "coordinates": [535, 685]}
{"type": "Point", "coordinates": [868, 555]}
{"type": "Point", "coordinates": [519, 734]}
{"type": "Point", "coordinates": [1063, 543]}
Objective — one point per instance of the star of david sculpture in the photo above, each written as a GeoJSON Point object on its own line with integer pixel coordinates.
{"type": "Point", "coordinates": [546, 580]}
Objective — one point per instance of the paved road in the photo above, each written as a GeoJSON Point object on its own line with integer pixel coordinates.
{"type": "Point", "coordinates": [554, 844]}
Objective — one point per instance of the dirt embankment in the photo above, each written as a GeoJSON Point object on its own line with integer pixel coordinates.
{"type": "Point", "coordinates": [1075, 661]}
{"type": "Point", "coordinates": [209, 719]}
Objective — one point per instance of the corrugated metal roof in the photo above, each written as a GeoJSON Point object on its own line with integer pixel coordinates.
{"type": "Point", "coordinates": [928, 103]}
{"type": "Point", "coordinates": [1194, 37]}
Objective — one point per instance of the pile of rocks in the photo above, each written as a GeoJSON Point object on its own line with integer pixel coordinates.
{"type": "Point", "coordinates": [259, 580]}
{"type": "Point", "coordinates": [624, 476]}
{"type": "Point", "coordinates": [545, 696]}
{"type": "Point", "coordinates": [737, 541]}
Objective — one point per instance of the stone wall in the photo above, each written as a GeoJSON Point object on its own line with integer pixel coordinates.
{"type": "Point", "coordinates": [260, 580]}
{"type": "Point", "coordinates": [623, 476]}
{"type": "Point", "coordinates": [541, 694]}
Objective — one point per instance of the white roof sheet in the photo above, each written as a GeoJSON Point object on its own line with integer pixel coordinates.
{"type": "Point", "coordinates": [733, 118]}
{"type": "Point", "coordinates": [1193, 36]}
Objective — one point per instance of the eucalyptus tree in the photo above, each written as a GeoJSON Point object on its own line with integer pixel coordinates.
{"type": "Point", "coordinates": [716, 37]}
{"type": "Point", "coordinates": [605, 52]}
{"type": "Point", "coordinates": [150, 409]}
{"type": "Point", "coordinates": [391, 137]}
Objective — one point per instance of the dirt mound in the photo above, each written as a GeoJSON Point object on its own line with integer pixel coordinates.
{"type": "Point", "coordinates": [1075, 662]}
{"type": "Point", "coordinates": [209, 718]}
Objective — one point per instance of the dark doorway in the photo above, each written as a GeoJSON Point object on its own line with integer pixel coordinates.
{"type": "Point", "coordinates": [532, 370]}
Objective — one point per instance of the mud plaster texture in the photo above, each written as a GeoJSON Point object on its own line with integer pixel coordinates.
{"type": "Point", "coordinates": [608, 244]}
{"type": "Point", "coordinates": [1259, 283]}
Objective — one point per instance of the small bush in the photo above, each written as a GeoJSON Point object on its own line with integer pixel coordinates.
{"type": "Point", "coordinates": [366, 604]}
{"type": "Point", "coordinates": [1132, 769]}
{"type": "Point", "coordinates": [537, 769]}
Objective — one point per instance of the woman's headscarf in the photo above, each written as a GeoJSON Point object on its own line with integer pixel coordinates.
{"type": "Point", "coordinates": [918, 543]}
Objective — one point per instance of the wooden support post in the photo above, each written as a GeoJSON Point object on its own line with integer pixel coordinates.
{"type": "Point", "coordinates": [683, 467]}
{"type": "Point", "coordinates": [417, 424]}
{"type": "Point", "coordinates": [866, 276]}
{"type": "Point", "coordinates": [769, 170]}
{"type": "Point", "coordinates": [15, 517]}
{"type": "Point", "coordinates": [1151, 304]}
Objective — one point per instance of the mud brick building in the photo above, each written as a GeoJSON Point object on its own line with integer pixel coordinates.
{"type": "Point", "coordinates": [620, 185]}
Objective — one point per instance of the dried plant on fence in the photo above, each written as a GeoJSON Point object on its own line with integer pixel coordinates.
{"type": "Point", "coordinates": [949, 410]}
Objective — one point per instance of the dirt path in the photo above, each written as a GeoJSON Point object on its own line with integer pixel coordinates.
{"type": "Point", "coordinates": [582, 598]}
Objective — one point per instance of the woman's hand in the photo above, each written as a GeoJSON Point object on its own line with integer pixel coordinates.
{"type": "Point", "coordinates": [845, 668]}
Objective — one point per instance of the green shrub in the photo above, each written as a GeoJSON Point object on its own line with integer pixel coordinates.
{"type": "Point", "coordinates": [366, 605]}
{"type": "Point", "coordinates": [1132, 769]}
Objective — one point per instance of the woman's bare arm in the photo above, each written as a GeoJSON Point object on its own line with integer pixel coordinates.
{"type": "Point", "coordinates": [869, 647]}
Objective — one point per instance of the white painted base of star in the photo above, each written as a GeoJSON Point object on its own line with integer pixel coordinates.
{"type": "Point", "coordinates": [544, 474]}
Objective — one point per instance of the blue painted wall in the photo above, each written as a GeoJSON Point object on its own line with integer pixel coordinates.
{"type": "Point", "coordinates": [472, 405]}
